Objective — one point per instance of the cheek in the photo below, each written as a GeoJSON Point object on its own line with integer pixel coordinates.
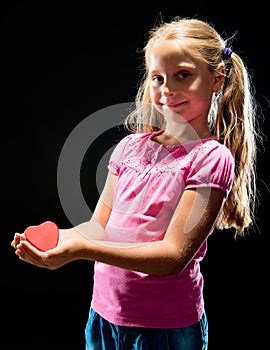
{"type": "Point", "coordinates": [154, 96]}
{"type": "Point", "coordinates": [201, 89]}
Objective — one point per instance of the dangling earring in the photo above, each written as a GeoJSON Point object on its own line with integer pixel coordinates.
{"type": "Point", "coordinates": [218, 95]}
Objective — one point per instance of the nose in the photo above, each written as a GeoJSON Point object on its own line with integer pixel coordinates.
{"type": "Point", "coordinates": [168, 89]}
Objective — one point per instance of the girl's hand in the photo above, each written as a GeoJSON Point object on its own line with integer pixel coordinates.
{"type": "Point", "coordinates": [68, 249]}
{"type": "Point", "coordinates": [18, 237]}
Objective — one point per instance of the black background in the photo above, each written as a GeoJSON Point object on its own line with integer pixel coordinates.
{"type": "Point", "coordinates": [59, 64]}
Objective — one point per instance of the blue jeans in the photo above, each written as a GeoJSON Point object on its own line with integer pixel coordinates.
{"type": "Point", "coordinates": [103, 335]}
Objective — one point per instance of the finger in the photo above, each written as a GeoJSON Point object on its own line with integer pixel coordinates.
{"type": "Point", "coordinates": [29, 249]}
{"type": "Point", "coordinates": [30, 260]}
{"type": "Point", "coordinates": [20, 255]}
{"type": "Point", "coordinates": [17, 238]}
{"type": "Point", "coordinates": [29, 253]}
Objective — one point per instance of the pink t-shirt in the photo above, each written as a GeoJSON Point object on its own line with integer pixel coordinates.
{"type": "Point", "coordinates": [151, 180]}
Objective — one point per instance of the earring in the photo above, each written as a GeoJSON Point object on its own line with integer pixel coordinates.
{"type": "Point", "coordinates": [218, 96]}
{"type": "Point", "coordinates": [218, 93]}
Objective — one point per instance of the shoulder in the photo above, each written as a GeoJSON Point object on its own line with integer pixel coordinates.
{"type": "Point", "coordinates": [135, 137]}
{"type": "Point", "coordinates": [212, 156]}
{"type": "Point", "coordinates": [134, 141]}
{"type": "Point", "coordinates": [212, 165]}
{"type": "Point", "coordinates": [212, 148]}
{"type": "Point", "coordinates": [129, 145]}
{"type": "Point", "coordinates": [221, 151]}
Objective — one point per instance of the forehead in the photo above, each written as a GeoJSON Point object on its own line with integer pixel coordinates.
{"type": "Point", "coordinates": [170, 51]}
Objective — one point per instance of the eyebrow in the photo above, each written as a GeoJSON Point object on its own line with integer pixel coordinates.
{"type": "Point", "coordinates": [180, 67]}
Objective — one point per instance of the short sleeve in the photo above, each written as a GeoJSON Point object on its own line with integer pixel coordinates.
{"type": "Point", "coordinates": [212, 167]}
{"type": "Point", "coordinates": [117, 155]}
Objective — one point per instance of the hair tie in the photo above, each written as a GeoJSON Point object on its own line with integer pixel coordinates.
{"type": "Point", "coordinates": [226, 54]}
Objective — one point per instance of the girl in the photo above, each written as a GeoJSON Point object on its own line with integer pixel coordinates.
{"type": "Point", "coordinates": [185, 168]}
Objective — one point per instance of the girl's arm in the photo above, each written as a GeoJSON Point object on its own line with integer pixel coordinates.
{"type": "Point", "coordinates": [191, 224]}
{"type": "Point", "coordinates": [93, 229]}
{"type": "Point", "coordinates": [194, 218]}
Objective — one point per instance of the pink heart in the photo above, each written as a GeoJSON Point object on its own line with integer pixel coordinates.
{"type": "Point", "coordinates": [44, 236]}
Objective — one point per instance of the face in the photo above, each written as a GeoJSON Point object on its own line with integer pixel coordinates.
{"type": "Point", "coordinates": [180, 83]}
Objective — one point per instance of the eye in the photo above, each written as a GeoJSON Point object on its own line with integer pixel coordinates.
{"type": "Point", "coordinates": [183, 74]}
{"type": "Point", "coordinates": [157, 79]}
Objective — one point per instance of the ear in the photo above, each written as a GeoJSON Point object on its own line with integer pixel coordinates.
{"type": "Point", "coordinates": [218, 78]}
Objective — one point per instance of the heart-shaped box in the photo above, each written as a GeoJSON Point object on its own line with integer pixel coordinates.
{"type": "Point", "coordinates": [44, 236]}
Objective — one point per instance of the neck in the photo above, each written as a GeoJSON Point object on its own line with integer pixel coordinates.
{"type": "Point", "coordinates": [184, 132]}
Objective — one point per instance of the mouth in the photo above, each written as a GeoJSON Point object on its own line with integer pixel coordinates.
{"type": "Point", "coordinates": [174, 104]}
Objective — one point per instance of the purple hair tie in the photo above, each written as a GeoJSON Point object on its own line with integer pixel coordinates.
{"type": "Point", "coordinates": [226, 54]}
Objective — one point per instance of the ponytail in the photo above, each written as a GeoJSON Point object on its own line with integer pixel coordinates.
{"type": "Point", "coordinates": [235, 128]}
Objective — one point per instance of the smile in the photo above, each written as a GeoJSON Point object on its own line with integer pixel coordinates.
{"type": "Point", "coordinates": [175, 104]}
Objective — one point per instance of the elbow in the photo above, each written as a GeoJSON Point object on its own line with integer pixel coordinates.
{"type": "Point", "coordinates": [175, 269]}
{"type": "Point", "coordinates": [170, 268]}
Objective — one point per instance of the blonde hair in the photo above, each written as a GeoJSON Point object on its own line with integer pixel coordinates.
{"type": "Point", "coordinates": [233, 121]}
